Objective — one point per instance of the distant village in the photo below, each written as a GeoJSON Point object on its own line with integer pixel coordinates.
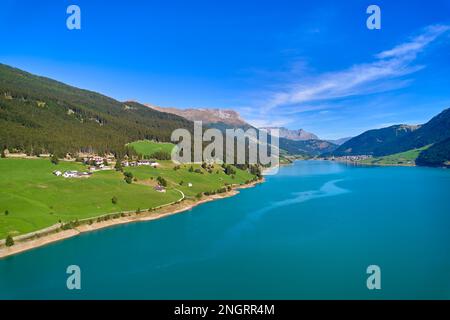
{"type": "Point", "coordinates": [356, 158]}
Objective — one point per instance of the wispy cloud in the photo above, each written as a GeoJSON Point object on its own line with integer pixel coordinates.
{"type": "Point", "coordinates": [385, 73]}
{"type": "Point", "coordinates": [417, 44]}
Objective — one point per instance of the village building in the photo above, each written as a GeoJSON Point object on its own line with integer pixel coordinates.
{"type": "Point", "coordinates": [76, 174]}
{"type": "Point", "coordinates": [95, 160]}
{"type": "Point", "coordinates": [354, 158]}
{"type": "Point", "coordinates": [154, 164]}
{"type": "Point", "coordinates": [70, 174]}
{"type": "Point", "coordinates": [159, 188]}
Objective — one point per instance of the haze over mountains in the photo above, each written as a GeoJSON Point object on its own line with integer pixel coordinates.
{"type": "Point", "coordinates": [340, 141]}
{"type": "Point", "coordinates": [296, 135]}
{"type": "Point", "coordinates": [303, 135]}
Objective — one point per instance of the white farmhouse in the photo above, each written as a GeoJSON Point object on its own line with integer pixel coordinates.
{"type": "Point", "coordinates": [159, 188]}
{"type": "Point", "coordinates": [57, 173]}
{"type": "Point", "coordinates": [70, 174]}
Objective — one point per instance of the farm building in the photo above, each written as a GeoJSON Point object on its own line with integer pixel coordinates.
{"type": "Point", "coordinates": [159, 188]}
{"type": "Point", "coordinates": [76, 174]}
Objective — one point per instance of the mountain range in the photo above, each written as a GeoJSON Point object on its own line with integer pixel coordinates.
{"type": "Point", "coordinates": [340, 141]}
{"type": "Point", "coordinates": [219, 118]}
{"type": "Point", "coordinates": [41, 115]}
{"type": "Point", "coordinates": [399, 138]}
{"type": "Point", "coordinates": [296, 135]}
{"type": "Point", "coordinates": [294, 142]}
{"type": "Point", "coordinates": [374, 142]}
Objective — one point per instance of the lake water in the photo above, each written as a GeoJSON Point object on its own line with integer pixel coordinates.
{"type": "Point", "coordinates": [309, 232]}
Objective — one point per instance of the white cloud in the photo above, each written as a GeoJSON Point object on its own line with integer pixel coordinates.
{"type": "Point", "coordinates": [383, 74]}
{"type": "Point", "coordinates": [417, 44]}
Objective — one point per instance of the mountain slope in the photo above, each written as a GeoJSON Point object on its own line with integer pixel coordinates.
{"type": "Point", "coordinates": [399, 138]}
{"type": "Point", "coordinates": [296, 135]}
{"type": "Point", "coordinates": [217, 118]}
{"type": "Point", "coordinates": [230, 119]}
{"type": "Point", "coordinates": [374, 142]}
{"type": "Point", "coordinates": [434, 131]}
{"type": "Point", "coordinates": [306, 148]}
{"type": "Point", "coordinates": [437, 155]}
{"type": "Point", "coordinates": [38, 114]}
{"type": "Point", "coordinates": [406, 158]}
{"type": "Point", "coordinates": [340, 141]}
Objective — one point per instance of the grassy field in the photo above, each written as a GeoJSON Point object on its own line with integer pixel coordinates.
{"type": "Point", "coordinates": [201, 182]}
{"type": "Point", "coordinates": [404, 158]}
{"type": "Point", "coordinates": [147, 148]}
{"type": "Point", "coordinates": [35, 198]}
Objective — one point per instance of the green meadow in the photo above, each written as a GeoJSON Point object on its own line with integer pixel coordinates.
{"type": "Point", "coordinates": [180, 179]}
{"type": "Point", "coordinates": [35, 198]}
{"type": "Point", "coordinates": [404, 158]}
{"type": "Point", "coordinates": [147, 148]}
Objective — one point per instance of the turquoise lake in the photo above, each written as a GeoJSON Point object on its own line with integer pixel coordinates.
{"type": "Point", "coordinates": [309, 232]}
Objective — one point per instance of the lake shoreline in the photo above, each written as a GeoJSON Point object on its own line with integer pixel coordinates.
{"type": "Point", "coordinates": [356, 163]}
{"type": "Point", "coordinates": [163, 212]}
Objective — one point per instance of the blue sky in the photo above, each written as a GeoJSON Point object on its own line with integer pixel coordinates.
{"type": "Point", "coordinates": [298, 64]}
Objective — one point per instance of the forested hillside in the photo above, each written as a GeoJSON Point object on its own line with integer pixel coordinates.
{"type": "Point", "coordinates": [39, 115]}
{"type": "Point", "coordinates": [399, 138]}
{"type": "Point", "coordinates": [374, 142]}
{"type": "Point", "coordinates": [434, 131]}
{"type": "Point", "coordinates": [436, 156]}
